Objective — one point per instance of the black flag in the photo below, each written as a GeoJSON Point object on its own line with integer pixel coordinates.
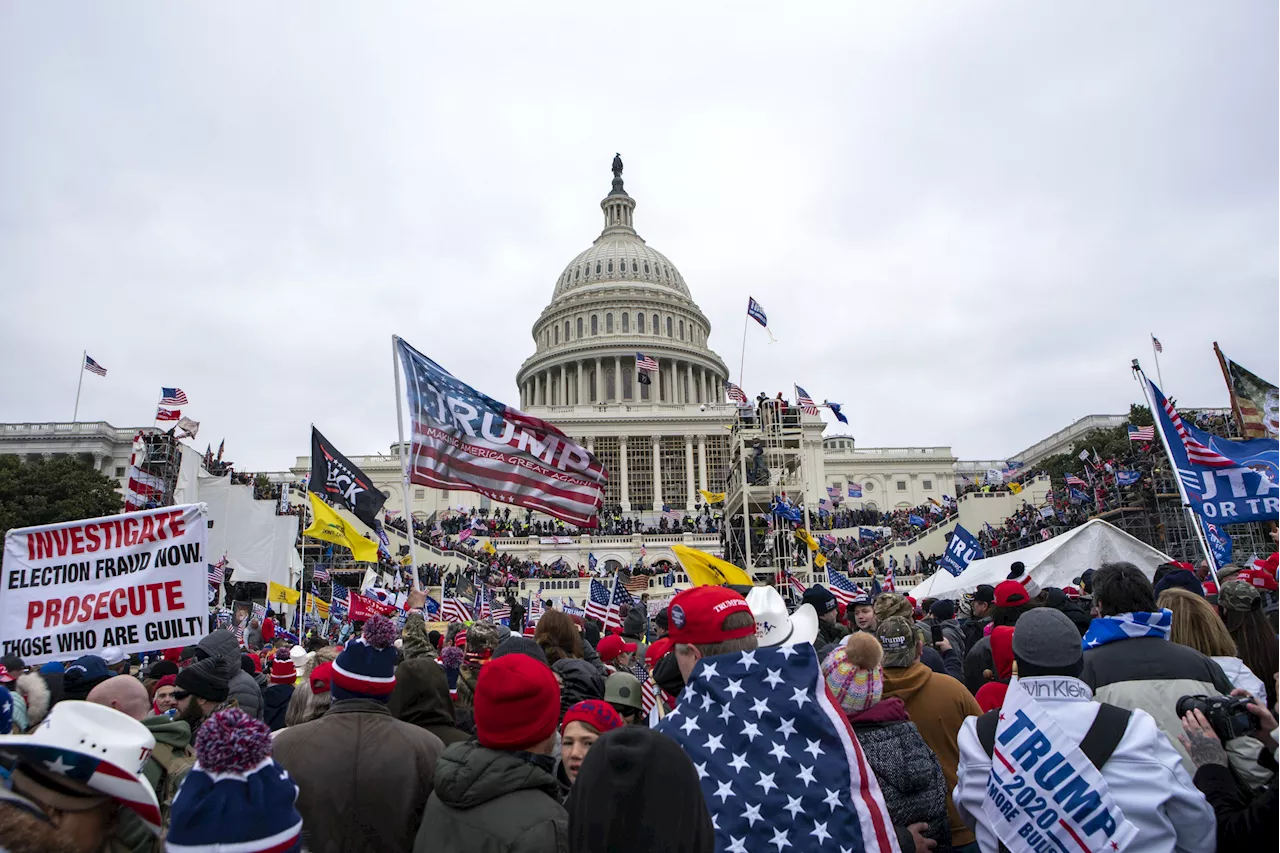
{"type": "Point", "coordinates": [335, 479]}
{"type": "Point", "coordinates": [643, 378]}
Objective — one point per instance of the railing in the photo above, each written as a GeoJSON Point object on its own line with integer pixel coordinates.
{"type": "Point", "coordinates": [85, 428]}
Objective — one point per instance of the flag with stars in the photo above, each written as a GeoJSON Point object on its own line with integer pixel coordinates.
{"type": "Point", "coordinates": [841, 587]}
{"type": "Point", "coordinates": [465, 440]}
{"type": "Point", "coordinates": [777, 759]}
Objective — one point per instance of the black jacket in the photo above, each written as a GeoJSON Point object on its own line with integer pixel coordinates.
{"type": "Point", "coordinates": [421, 698]}
{"type": "Point", "coordinates": [579, 681]}
{"type": "Point", "coordinates": [275, 701]}
{"type": "Point", "coordinates": [829, 633]}
{"type": "Point", "coordinates": [1242, 825]}
{"type": "Point", "coordinates": [974, 631]}
{"type": "Point", "coordinates": [486, 801]}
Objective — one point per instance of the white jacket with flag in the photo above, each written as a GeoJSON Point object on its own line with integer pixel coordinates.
{"type": "Point", "coordinates": [1144, 774]}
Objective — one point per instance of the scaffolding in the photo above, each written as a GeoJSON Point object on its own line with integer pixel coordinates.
{"type": "Point", "coordinates": [766, 462]}
{"type": "Point", "coordinates": [153, 469]}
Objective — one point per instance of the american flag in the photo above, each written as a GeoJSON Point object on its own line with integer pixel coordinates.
{"type": "Point", "coordinates": [320, 573]}
{"type": "Point", "coordinates": [791, 762]}
{"type": "Point", "coordinates": [1146, 433]}
{"type": "Point", "coordinates": [482, 603]}
{"type": "Point", "coordinates": [1073, 480]}
{"type": "Point", "coordinates": [501, 610]}
{"type": "Point", "coordinates": [833, 491]}
{"type": "Point", "coordinates": [644, 362]}
{"type": "Point", "coordinates": [217, 572]}
{"type": "Point", "coordinates": [805, 402]}
{"type": "Point", "coordinates": [636, 584]}
{"type": "Point", "coordinates": [648, 695]}
{"type": "Point", "coordinates": [841, 587]}
{"type": "Point", "coordinates": [1197, 452]}
{"type": "Point", "coordinates": [455, 610]}
{"type": "Point", "coordinates": [93, 366]}
{"type": "Point", "coordinates": [1155, 342]}
{"type": "Point", "coordinates": [794, 581]}
{"type": "Point", "coordinates": [889, 585]}
{"type": "Point", "coordinates": [172, 397]}
{"type": "Point", "coordinates": [598, 602]}
{"type": "Point", "coordinates": [501, 452]}
{"type": "Point", "coordinates": [673, 514]}
{"type": "Point", "coordinates": [735, 393]}
{"type": "Point", "coordinates": [339, 592]}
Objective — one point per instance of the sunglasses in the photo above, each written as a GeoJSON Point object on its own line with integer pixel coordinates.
{"type": "Point", "coordinates": [179, 695]}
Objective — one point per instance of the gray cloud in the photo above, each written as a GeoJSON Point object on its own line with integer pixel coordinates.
{"type": "Point", "coordinates": [963, 224]}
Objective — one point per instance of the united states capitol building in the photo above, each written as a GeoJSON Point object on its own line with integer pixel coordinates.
{"type": "Point", "coordinates": [661, 441]}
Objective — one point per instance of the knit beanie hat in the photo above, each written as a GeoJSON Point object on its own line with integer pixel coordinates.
{"type": "Point", "coordinates": [854, 673]}
{"type": "Point", "coordinates": [596, 713]}
{"type": "Point", "coordinates": [282, 669]}
{"type": "Point", "coordinates": [206, 679]}
{"type": "Point", "coordinates": [366, 668]}
{"type": "Point", "coordinates": [1179, 579]}
{"type": "Point", "coordinates": [517, 703]}
{"type": "Point", "coordinates": [1045, 641]}
{"type": "Point", "coordinates": [236, 797]}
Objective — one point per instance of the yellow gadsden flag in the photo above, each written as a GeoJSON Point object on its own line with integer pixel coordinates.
{"type": "Point", "coordinates": [488, 548]}
{"type": "Point", "coordinates": [712, 497]}
{"type": "Point", "coordinates": [706, 570]}
{"type": "Point", "coordinates": [807, 538]}
{"type": "Point", "coordinates": [1015, 487]}
{"type": "Point", "coordinates": [281, 594]}
{"type": "Point", "coordinates": [329, 526]}
{"type": "Point", "coordinates": [819, 560]}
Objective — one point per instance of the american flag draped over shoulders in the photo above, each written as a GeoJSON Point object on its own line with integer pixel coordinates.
{"type": "Point", "coordinates": [777, 759]}
{"type": "Point", "coordinates": [465, 440]}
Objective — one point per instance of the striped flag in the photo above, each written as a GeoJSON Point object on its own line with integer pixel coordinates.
{"type": "Point", "coordinates": [172, 397]}
{"type": "Point", "coordinates": [501, 610]}
{"type": "Point", "coordinates": [499, 451]}
{"type": "Point", "coordinates": [805, 402]}
{"type": "Point", "coordinates": [454, 610]}
{"type": "Point", "coordinates": [888, 579]}
{"type": "Point", "coordinates": [320, 573]}
{"type": "Point", "coordinates": [217, 572]}
{"type": "Point", "coordinates": [1073, 480]}
{"type": "Point", "coordinates": [644, 362]}
{"type": "Point", "coordinates": [648, 696]}
{"type": "Point", "coordinates": [1155, 342]}
{"type": "Point", "coordinates": [93, 366]}
{"type": "Point", "coordinates": [636, 584]}
{"type": "Point", "coordinates": [163, 414]}
{"type": "Point", "coordinates": [1146, 433]}
{"type": "Point", "coordinates": [841, 587]}
{"type": "Point", "coordinates": [620, 597]}
{"type": "Point", "coordinates": [735, 394]}
{"type": "Point", "coordinates": [598, 601]}
{"type": "Point", "coordinates": [1197, 453]}
{"type": "Point", "coordinates": [756, 312]}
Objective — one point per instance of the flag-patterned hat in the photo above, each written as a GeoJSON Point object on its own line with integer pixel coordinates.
{"type": "Point", "coordinates": [94, 747]}
{"type": "Point", "coordinates": [236, 797]}
{"type": "Point", "coordinates": [366, 668]}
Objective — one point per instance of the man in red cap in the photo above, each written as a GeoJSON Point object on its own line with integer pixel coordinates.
{"type": "Point", "coordinates": [616, 653]}
{"type": "Point", "coordinates": [707, 621]}
{"type": "Point", "coordinates": [500, 792]}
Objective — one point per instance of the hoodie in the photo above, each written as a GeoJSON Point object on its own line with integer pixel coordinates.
{"type": "Point", "coordinates": [275, 702]}
{"type": "Point", "coordinates": [222, 644]}
{"type": "Point", "coordinates": [416, 642]}
{"type": "Point", "coordinates": [938, 705]}
{"type": "Point", "coordinates": [176, 735]}
{"type": "Point", "coordinates": [421, 698]}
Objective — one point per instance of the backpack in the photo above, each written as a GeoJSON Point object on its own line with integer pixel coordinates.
{"type": "Point", "coordinates": [1097, 745]}
{"type": "Point", "coordinates": [174, 765]}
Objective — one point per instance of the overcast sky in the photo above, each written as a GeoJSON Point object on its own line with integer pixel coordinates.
{"type": "Point", "coordinates": [963, 219]}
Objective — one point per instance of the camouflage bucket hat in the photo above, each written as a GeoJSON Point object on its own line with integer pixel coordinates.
{"type": "Point", "coordinates": [892, 604]}
{"type": "Point", "coordinates": [897, 635]}
{"type": "Point", "coordinates": [1238, 596]}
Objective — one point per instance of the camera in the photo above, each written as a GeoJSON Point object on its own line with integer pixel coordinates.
{"type": "Point", "coordinates": [1227, 715]}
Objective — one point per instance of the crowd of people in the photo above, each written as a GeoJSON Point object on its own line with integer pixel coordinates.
{"type": "Point", "coordinates": [562, 736]}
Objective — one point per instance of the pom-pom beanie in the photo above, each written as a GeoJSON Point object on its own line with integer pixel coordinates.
{"type": "Point", "coordinates": [855, 674]}
{"type": "Point", "coordinates": [517, 703]}
{"type": "Point", "coordinates": [236, 797]}
{"type": "Point", "coordinates": [282, 669]}
{"type": "Point", "coordinates": [366, 668]}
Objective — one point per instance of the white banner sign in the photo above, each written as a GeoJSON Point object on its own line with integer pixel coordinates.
{"type": "Point", "coordinates": [556, 540]}
{"type": "Point", "coordinates": [1043, 793]}
{"type": "Point", "coordinates": [136, 581]}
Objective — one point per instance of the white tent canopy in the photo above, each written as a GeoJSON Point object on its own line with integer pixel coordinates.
{"type": "Point", "coordinates": [1053, 562]}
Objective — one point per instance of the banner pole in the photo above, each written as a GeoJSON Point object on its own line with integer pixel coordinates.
{"type": "Point", "coordinates": [404, 465]}
{"type": "Point", "coordinates": [1156, 356]}
{"type": "Point", "coordinates": [76, 414]}
{"type": "Point", "coordinates": [1182, 490]}
{"type": "Point", "coordinates": [742, 360]}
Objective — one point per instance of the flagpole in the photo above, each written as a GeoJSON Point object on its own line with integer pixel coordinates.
{"type": "Point", "coordinates": [85, 354]}
{"type": "Point", "coordinates": [742, 360]}
{"type": "Point", "coordinates": [1156, 355]}
{"type": "Point", "coordinates": [1231, 390]}
{"type": "Point", "coordinates": [404, 465]}
{"type": "Point", "coordinates": [1177, 477]}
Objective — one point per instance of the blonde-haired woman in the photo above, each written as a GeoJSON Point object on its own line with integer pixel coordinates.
{"type": "Point", "coordinates": [1196, 624]}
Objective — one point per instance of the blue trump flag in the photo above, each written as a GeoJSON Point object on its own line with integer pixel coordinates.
{"type": "Point", "coordinates": [786, 510]}
{"type": "Point", "coordinates": [1219, 543]}
{"type": "Point", "coordinates": [1079, 497]}
{"type": "Point", "coordinates": [756, 312]}
{"type": "Point", "coordinates": [961, 551]}
{"type": "Point", "coordinates": [835, 410]}
{"type": "Point", "coordinates": [855, 490]}
{"type": "Point", "coordinates": [1227, 482]}
{"type": "Point", "coordinates": [915, 520]}
{"type": "Point", "coordinates": [792, 775]}
{"type": "Point", "coordinates": [1128, 478]}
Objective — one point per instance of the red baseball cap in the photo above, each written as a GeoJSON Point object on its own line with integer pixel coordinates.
{"type": "Point", "coordinates": [1071, 592]}
{"type": "Point", "coordinates": [1259, 579]}
{"type": "Point", "coordinates": [1011, 594]}
{"type": "Point", "coordinates": [696, 615]}
{"type": "Point", "coordinates": [612, 646]}
{"type": "Point", "coordinates": [657, 651]}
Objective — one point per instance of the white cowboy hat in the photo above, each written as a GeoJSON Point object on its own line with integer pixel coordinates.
{"type": "Point", "coordinates": [774, 626]}
{"type": "Point", "coordinates": [96, 746]}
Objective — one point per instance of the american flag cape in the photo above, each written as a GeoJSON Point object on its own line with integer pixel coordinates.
{"type": "Point", "coordinates": [778, 762]}
{"type": "Point", "coordinates": [465, 440]}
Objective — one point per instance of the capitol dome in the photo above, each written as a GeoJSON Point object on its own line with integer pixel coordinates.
{"type": "Point", "coordinates": [617, 299]}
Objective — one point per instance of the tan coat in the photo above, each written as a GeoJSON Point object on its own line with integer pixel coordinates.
{"type": "Point", "coordinates": [363, 777]}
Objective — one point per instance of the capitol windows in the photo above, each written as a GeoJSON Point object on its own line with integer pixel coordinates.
{"type": "Point", "coordinates": [635, 267]}
{"type": "Point", "coordinates": [669, 335]}
{"type": "Point", "coordinates": [595, 325]}
{"type": "Point", "coordinates": [927, 484]}
{"type": "Point", "coordinates": [626, 323]}
{"type": "Point", "coordinates": [576, 273]}
{"type": "Point", "coordinates": [655, 324]}
{"type": "Point", "coordinates": [682, 330]}
{"type": "Point", "coordinates": [902, 485]}
{"type": "Point", "coordinates": [597, 268]}
{"type": "Point", "coordinates": [646, 267]}
{"type": "Point", "coordinates": [608, 324]}
{"type": "Point", "coordinates": [579, 327]}
{"type": "Point", "coordinates": [640, 323]}
{"type": "Point", "coordinates": [610, 266]}
{"type": "Point", "coordinates": [566, 331]}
